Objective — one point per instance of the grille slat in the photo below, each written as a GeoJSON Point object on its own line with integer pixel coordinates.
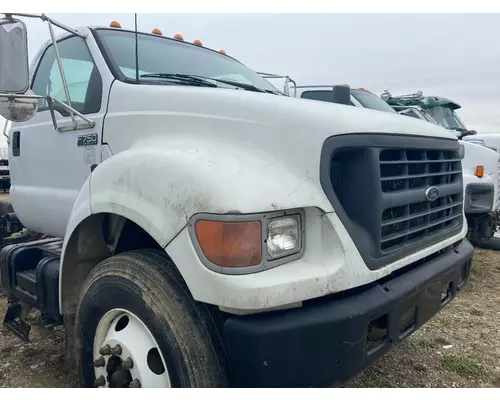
{"type": "Point", "coordinates": [405, 176]}
{"type": "Point", "coordinates": [421, 214]}
{"type": "Point", "coordinates": [407, 232]}
{"type": "Point", "coordinates": [389, 178]}
{"type": "Point", "coordinates": [418, 161]}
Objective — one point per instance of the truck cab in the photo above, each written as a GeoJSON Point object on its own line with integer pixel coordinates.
{"type": "Point", "coordinates": [203, 224]}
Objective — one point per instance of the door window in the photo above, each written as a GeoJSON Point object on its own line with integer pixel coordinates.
{"type": "Point", "coordinates": [82, 76]}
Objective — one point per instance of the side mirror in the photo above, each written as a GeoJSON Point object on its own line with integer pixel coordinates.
{"type": "Point", "coordinates": [14, 68]}
{"type": "Point", "coordinates": [385, 96]}
{"type": "Point", "coordinates": [18, 109]}
{"type": "Point", "coordinates": [342, 95]}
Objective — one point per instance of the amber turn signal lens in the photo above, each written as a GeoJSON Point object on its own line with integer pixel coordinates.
{"type": "Point", "coordinates": [230, 244]}
{"type": "Point", "coordinates": [479, 171]}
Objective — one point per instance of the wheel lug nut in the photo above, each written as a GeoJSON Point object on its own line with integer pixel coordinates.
{"type": "Point", "coordinates": [101, 381]}
{"type": "Point", "coordinates": [100, 362]}
{"type": "Point", "coordinates": [105, 350]}
{"type": "Point", "coordinates": [136, 383]}
{"type": "Point", "coordinates": [117, 350]}
{"type": "Point", "coordinates": [128, 363]}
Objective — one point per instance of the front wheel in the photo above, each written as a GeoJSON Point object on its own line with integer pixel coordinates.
{"type": "Point", "coordinates": [138, 326]}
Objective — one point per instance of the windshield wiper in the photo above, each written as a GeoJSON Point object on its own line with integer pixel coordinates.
{"type": "Point", "coordinates": [181, 78]}
{"type": "Point", "coordinates": [464, 131]}
{"type": "Point", "coordinates": [205, 81]}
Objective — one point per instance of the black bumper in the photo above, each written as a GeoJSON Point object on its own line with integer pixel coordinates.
{"type": "Point", "coordinates": [479, 198]}
{"type": "Point", "coordinates": [326, 342]}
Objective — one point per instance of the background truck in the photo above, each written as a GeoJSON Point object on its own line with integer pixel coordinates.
{"type": "Point", "coordinates": [198, 237]}
{"type": "Point", "coordinates": [481, 173]}
{"type": "Point", "coordinates": [483, 225]}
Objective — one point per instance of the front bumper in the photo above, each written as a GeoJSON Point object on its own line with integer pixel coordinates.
{"type": "Point", "coordinates": [479, 198]}
{"type": "Point", "coordinates": [327, 341]}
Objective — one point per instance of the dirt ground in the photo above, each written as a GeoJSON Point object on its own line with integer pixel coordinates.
{"type": "Point", "coordinates": [460, 347]}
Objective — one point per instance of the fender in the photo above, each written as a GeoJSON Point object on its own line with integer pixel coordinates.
{"type": "Point", "coordinates": [159, 187]}
{"type": "Point", "coordinates": [80, 211]}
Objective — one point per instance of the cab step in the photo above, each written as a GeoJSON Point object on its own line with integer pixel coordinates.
{"type": "Point", "coordinates": [27, 280]}
{"type": "Point", "coordinates": [15, 322]}
{"type": "Point", "coordinates": [29, 273]}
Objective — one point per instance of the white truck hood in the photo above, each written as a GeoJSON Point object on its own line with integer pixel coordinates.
{"type": "Point", "coordinates": [253, 117]}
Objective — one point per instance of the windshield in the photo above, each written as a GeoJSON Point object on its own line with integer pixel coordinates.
{"type": "Point", "coordinates": [158, 54]}
{"type": "Point", "coordinates": [371, 101]}
{"type": "Point", "coordinates": [446, 117]}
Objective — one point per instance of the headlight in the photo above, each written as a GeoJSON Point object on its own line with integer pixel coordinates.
{"type": "Point", "coordinates": [284, 236]}
{"type": "Point", "coordinates": [241, 244]}
{"type": "Point", "coordinates": [462, 150]}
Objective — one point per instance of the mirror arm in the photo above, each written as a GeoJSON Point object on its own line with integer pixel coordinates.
{"type": "Point", "coordinates": [43, 17]}
{"type": "Point", "coordinates": [61, 71]}
{"type": "Point", "coordinates": [5, 133]}
{"type": "Point", "coordinates": [288, 80]}
{"type": "Point", "coordinates": [294, 86]}
{"type": "Point", "coordinates": [52, 113]}
{"type": "Point", "coordinates": [50, 102]}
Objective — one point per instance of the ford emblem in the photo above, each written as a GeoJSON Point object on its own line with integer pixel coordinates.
{"type": "Point", "coordinates": [432, 193]}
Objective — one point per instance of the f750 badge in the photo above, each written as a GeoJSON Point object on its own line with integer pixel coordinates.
{"type": "Point", "coordinates": [87, 140]}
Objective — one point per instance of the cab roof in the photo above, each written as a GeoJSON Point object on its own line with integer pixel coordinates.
{"type": "Point", "coordinates": [423, 102]}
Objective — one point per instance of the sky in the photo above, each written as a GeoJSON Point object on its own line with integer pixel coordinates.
{"type": "Point", "coordinates": [451, 55]}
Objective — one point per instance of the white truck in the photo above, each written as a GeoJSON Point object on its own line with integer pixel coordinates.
{"type": "Point", "coordinates": [481, 175]}
{"type": "Point", "coordinates": [482, 204]}
{"type": "Point", "coordinates": [209, 231]}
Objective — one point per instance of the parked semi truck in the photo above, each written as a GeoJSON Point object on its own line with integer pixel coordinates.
{"type": "Point", "coordinates": [209, 231]}
{"type": "Point", "coordinates": [480, 164]}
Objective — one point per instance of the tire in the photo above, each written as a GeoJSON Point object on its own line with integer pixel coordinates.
{"type": "Point", "coordinates": [147, 284]}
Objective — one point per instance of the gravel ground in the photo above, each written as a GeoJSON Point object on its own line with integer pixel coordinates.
{"type": "Point", "coordinates": [460, 347]}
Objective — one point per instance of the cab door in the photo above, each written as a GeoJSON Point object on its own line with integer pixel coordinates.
{"type": "Point", "coordinates": [49, 167]}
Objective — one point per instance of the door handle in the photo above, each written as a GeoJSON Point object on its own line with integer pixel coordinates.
{"type": "Point", "coordinates": [16, 143]}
